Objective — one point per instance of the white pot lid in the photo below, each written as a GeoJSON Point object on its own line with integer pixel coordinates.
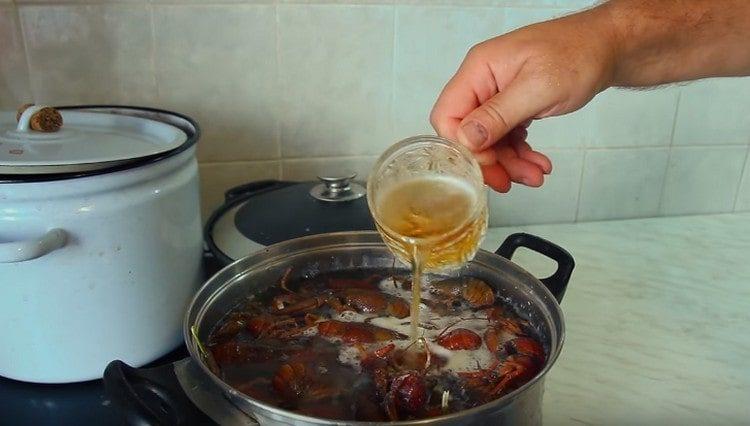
{"type": "Point", "coordinates": [91, 138]}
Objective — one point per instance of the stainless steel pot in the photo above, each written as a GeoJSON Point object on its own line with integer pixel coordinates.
{"type": "Point", "coordinates": [151, 396]}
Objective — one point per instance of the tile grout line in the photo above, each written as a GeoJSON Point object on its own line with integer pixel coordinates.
{"type": "Point", "coordinates": [742, 178]}
{"type": "Point", "coordinates": [520, 5]}
{"type": "Point", "coordinates": [277, 120]}
{"type": "Point", "coordinates": [394, 41]}
{"type": "Point", "coordinates": [21, 33]}
{"type": "Point", "coordinates": [666, 146]}
{"type": "Point", "coordinates": [669, 154]}
{"type": "Point", "coordinates": [152, 19]}
{"type": "Point", "coordinates": [293, 159]}
{"type": "Point", "coordinates": [580, 186]}
{"type": "Point", "coordinates": [586, 151]}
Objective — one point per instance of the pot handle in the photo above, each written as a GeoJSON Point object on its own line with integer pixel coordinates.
{"type": "Point", "coordinates": [150, 396]}
{"type": "Point", "coordinates": [20, 251]}
{"type": "Point", "coordinates": [557, 282]}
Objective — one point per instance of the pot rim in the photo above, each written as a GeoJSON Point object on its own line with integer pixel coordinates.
{"type": "Point", "coordinates": [273, 253]}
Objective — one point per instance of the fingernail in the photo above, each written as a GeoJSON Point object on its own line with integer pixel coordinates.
{"type": "Point", "coordinates": [472, 134]}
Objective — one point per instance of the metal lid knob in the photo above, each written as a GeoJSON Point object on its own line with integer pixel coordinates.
{"type": "Point", "coordinates": [337, 188]}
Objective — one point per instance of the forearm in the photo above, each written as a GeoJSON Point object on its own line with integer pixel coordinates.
{"type": "Point", "coordinates": [663, 41]}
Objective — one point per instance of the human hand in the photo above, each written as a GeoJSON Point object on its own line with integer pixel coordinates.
{"type": "Point", "coordinates": [542, 70]}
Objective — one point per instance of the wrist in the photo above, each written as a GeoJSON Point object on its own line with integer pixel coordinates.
{"type": "Point", "coordinates": [611, 24]}
{"type": "Point", "coordinates": [601, 36]}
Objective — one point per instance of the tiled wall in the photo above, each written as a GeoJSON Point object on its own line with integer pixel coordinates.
{"type": "Point", "coordinates": [287, 89]}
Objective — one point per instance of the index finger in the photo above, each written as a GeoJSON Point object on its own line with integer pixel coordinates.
{"type": "Point", "coordinates": [464, 92]}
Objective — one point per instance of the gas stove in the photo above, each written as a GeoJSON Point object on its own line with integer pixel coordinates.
{"type": "Point", "coordinates": [68, 404]}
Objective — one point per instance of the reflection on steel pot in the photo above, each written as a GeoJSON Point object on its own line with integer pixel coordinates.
{"type": "Point", "coordinates": [156, 396]}
{"type": "Point", "coordinates": [100, 239]}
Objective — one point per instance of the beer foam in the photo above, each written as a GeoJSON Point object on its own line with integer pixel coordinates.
{"type": "Point", "coordinates": [458, 361]}
{"type": "Point", "coordinates": [444, 182]}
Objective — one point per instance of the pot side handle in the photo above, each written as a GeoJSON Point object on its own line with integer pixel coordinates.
{"type": "Point", "coordinates": [21, 251]}
{"type": "Point", "coordinates": [150, 396]}
{"type": "Point", "coordinates": [558, 281]}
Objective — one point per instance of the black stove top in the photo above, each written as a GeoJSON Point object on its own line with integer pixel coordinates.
{"type": "Point", "coordinates": [68, 404]}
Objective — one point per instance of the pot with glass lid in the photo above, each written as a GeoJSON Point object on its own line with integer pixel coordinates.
{"type": "Point", "coordinates": [319, 329]}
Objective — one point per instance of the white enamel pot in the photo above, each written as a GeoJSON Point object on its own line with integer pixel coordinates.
{"type": "Point", "coordinates": [100, 252]}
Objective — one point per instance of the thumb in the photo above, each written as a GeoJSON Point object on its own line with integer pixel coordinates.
{"type": "Point", "coordinates": [500, 114]}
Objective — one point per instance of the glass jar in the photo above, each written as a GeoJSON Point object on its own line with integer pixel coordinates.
{"type": "Point", "coordinates": [429, 202]}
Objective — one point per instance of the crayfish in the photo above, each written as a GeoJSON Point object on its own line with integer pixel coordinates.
{"type": "Point", "coordinates": [331, 347]}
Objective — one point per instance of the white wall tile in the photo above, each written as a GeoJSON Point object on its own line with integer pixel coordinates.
{"type": "Point", "coordinates": [431, 42]}
{"type": "Point", "coordinates": [632, 118]}
{"type": "Point", "coordinates": [702, 179]}
{"type": "Point", "coordinates": [218, 63]}
{"type": "Point", "coordinates": [14, 74]}
{"type": "Point", "coordinates": [622, 183]}
{"type": "Point", "coordinates": [217, 178]}
{"type": "Point", "coordinates": [575, 4]}
{"type": "Point", "coordinates": [90, 53]}
{"type": "Point", "coordinates": [555, 201]}
{"type": "Point", "coordinates": [743, 196]}
{"type": "Point", "coordinates": [715, 111]}
{"type": "Point", "coordinates": [336, 73]}
{"type": "Point", "coordinates": [517, 17]}
{"type": "Point", "coordinates": [311, 168]}
{"type": "Point", "coordinates": [572, 130]}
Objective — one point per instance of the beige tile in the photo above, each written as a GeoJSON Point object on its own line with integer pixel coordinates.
{"type": "Point", "coordinates": [60, 2]}
{"type": "Point", "coordinates": [14, 74]}
{"type": "Point", "coordinates": [311, 168]}
{"type": "Point", "coordinates": [218, 63]}
{"type": "Point", "coordinates": [209, 2]}
{"type": "Point", "coordinates": [431, 42]}
{"type": "Point", "coordinates": [743, 196]}
{"type": "Point", "coordinates": [90, 53]}
{"type": "Point", "coordinates": [714, 111]}
{"type": "Point", "coordinates": [217, 178]}
{"type": "Point", "coordinates": [337, 1]}
{"type": "Point", "coordinates": [702, 179]}
{"type": "Point", "coordinates": [554, 202]}
{"type": "Point", "coordinates": [451, 31]}
{"type": "Point", "coordinates": [622, 183]}
{"type": "Point", "coordinates": [633, 118]}
{"type": "Point", "coordinates": [336, 72]}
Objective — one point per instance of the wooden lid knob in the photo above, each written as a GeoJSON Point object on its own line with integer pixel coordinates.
{"type": "Point", "coordinates": [46, 119]}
